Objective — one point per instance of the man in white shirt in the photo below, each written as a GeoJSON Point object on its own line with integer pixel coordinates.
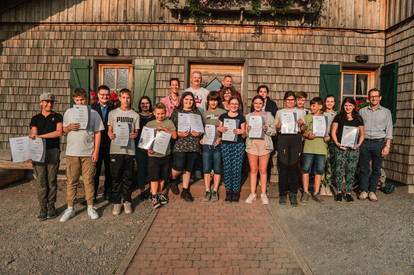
{"type": "Point", "coordinates": [200, 93]}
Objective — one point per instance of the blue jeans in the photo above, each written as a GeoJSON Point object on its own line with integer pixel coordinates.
{"type": "Point", "coordinates": [212, 159]}
{"type": "Point", "coordinates": [313, 160]}
{"type": "Point", "coordinates": [142, 163]}
{"type": "Point", "coordinates": [370, 151]}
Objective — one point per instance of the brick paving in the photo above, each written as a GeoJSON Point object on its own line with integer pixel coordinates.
{"type": "Point", "coordinates": [214, 238]}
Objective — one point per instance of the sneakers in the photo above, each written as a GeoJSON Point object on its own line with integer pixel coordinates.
{"type": "Point", "coordinates": [329, 192]}
{"type": "Point", "coordinates": [282, 200]}
{"type": "Point", "coordinates": [67, 215]}
{"type": "Point", "coordinates": [293, 199]}
{"type": "Point", "coordinates": [174, 187]}
{"type": "Point", "coordinates": [349, 198]}
{"type": "Point", "coordinates": [163, 199]}
{"type": "Point", "coordinates": [155, 202]}
{"type": "Point", "coordinates": [251, 198]}
{"type": "Point", "coordinates": [215, 196]}
{"type": "Point", "coordinates": [207, 196]}
{"type": "Point", "coordinates": [186, 195]}
{"type": "Point", "coordinates": [236, 196]}
{"type": "Point", "coordinates": [373, 197]}
{"type": "Point", "coordinates": [117, 209]}
{"type": "Point", "coordinates": [363, 196]}
{"type": "Point", "coordinates": [317, 197]}
{"type": "Point", "coordinates": [43, 214]}
{"type": "Point", "coordinates": [229, 195]}
{"type": "Point", "coordinates": [92, 212]}
{"type": "Point", "coordinates": [323, 191]}
{"type": "Point", "coordinates": [127, 207]}
{"type": "Point", "coordinates": [264, 198]}
{"type": "Point", "coordinates": [305, 197]}
{"type": "Point", "coordinates": [338, 197]}
{"type": "Point", "coordinates": [51, 212]}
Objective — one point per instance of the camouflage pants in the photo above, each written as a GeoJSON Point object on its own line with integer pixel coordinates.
{"type": "Point", "coordinates": [346, 164]}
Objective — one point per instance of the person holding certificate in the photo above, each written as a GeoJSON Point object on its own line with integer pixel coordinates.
{"type": "Point", "coordinates": [47, 125]}
{"type": "Point", "coordinates": [122, 156]}
{"type": "Point", "coordinates": [259, 146]}
{"type": "Point", "coordinates": [290, 123]}
{"type": "Point", "coordinates": [233, 126]}
{"type": "Point", "coordinates": [159, 164]}
{"type": "Point", "coordinates": [186, 148]}
{"type": "Point", "coordinates": [345, 128]}
{"type": "Point", "coordinates": [211, 146]}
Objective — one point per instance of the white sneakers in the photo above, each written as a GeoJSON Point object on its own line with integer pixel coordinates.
{"type": "Point", "coordinates": [117, 209]}
{"type": "Point", "coordinates": [127, 207]}
{"type": "Point", "coordinates": [92, 212]}
{"type": "Point", "coordinates": [68, 214]}
{"type": "Point", "coordinates": [363, 196]}
{"type": "Point", "coordinates": [252, 197]}
{"type": "Point", "coordinates": [264, 198]}
{"type": "Point", "coordinates": [372, 196]}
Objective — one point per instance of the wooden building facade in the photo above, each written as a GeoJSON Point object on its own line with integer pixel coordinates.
{"type": "Point", "coordinates": [54, 46]}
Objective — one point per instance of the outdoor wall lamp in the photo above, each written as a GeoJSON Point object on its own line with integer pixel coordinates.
{"type": "Point", "coordinates": [361, 58]}
{"type": "Point", "coordinates": [112, 51]}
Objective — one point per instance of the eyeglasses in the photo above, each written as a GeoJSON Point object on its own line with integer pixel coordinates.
{"type": "Point", "coordinates": [104, 95]}
{"type": "Point", "coordinates": [375, 96]}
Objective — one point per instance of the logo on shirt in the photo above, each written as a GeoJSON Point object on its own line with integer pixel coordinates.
{"type": "Point", "coordinates": [125, 119]}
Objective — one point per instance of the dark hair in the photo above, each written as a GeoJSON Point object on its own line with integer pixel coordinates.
{"type": "Point", "coordinates": [160, 105]}
{"type": "Point", "coordinates": [214, 96]}
{"type": "Point", "coordinates": [104, 87]}
{"type": "Point", "coordinates": [374, 90]}
{"type": "Point", "coordinates": [235, 97]}
{"type": "Point", "coordinates": [261, 87]}
{"type": "Point", "coordinates": [223, 91]}
{"type": "Point", "coordinates": [257, 97]}
{"type": "Point", "coordinates": [174, 79]}
{"type": "Point", "coordinates": [181, 105]}
{"type": "Point", "coordinates": [355, 114]}
{"type": "Point", "coordinates": [317, 100]}
{"type": "Point", "coordinates": [79, 92]}
{"type": "Point", "coordinates": [301, 95]}
{"type": "Point", "coordinates": [324, 105]}
{"type": "Point", "coordinates": [140, 100]}
{"type": "Point", "coordinates": [288, 94]}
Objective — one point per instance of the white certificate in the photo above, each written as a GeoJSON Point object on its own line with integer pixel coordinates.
{"type": "Point", "coordinates": [184, 122]}
{"type": "Point", "coordinates": [161, 143]}
{"type": "Point", "coordinates": [331, 117]}
{"type": "Point", "coordinates": [81, 115]}
{"type": "Point", "coordinates": [289, 125]}
{"type": "Point", "coordinates": [23, 148]}
{"type": "Point", "coordinates": [147, 138]}
{"type": "Point", "coordinates": [231, 124]}
{"type": "Point", "coordinates": [196, 123]}
{"type": "Point", "coordinates": [349, 136]}
{"type": "Point", "coordinates": [320, 126]}
{"type": "Point", "coordinates": [256, 130]}
{"type": "Point", "coordinates": [210, 134]}
{"type": "Point", "coordinates": [122, 131]}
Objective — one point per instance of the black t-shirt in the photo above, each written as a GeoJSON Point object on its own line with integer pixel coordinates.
{"type": "Point", "coordinates": [345, 122]}
{"type": "Point", "coordinates": [241, 121]}
{"type": "Point", "coordinates": [47, 125]}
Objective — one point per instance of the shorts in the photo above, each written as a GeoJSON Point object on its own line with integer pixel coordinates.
{"type": "Point", "coordinates": [212, 159]}
{"type": "Point", "coordinates": [310, 160]}
{"type": "Point", "coordinates": [158, 168]}
{"type": "Point", "coordinates": [184, 161]}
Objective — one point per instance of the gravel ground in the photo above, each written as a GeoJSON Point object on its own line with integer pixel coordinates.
{"type": "Point", "coordinates": [79, 246]}
{"type": "Point", "coordinates": [360, 238]}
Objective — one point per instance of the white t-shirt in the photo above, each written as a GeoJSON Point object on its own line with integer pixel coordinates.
{"type": "Point", "coordinates": [300, 114]}
{"type": "Point", "coordinates": [81, 143]}
{"type": "Point", "coordinates": [130, 117]}
{"type": "Point", "coordinates": [200, 97]}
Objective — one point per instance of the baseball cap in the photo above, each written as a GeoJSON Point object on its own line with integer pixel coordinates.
{"type": "Point", "coordinates": [47, 97]}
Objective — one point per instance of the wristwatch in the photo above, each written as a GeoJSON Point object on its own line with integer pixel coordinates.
{"type": "Point", "coordinates": [389, 146]}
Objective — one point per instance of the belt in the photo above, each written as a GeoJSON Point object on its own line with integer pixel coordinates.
{"type": "Point", "coordinates": [374, 139]}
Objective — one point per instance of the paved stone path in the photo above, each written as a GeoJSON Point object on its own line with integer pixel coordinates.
{"type": "Point", "coordinates": [214, 238]}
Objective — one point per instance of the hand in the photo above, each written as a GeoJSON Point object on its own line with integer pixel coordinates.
{"type": "Point", "coordinates": [95, 156]}
{"type": "Point", "coordinates": [73, 126]}
{"type": "Point", "coordinates": [195, 134]}
{"type": "Point", "coordinates": [356, 147]}
{"type": "Point", "coordinates": [151, 151]}
{"type": "Point", "coordinates": [222, 129]}
{"type": "Point", "coordinates": [238, 131]}
{"type": "Point", "coordinates": [217, 143]}
{"type": "Point", "coordinates": [160, 128]}
{"type": "Point", "coordinates": [133, 135]}
{"type": "Point", "coordinates": [326, 139]}
{"type": "Point", "coordinates": [32, 136]}
{"type": "Point", "coordinates": [300, 121]}
{"type": "Point", "coordinates": [28, 161]}
{"type": "Point", "coordinates": [183, 134]}
{"type": "Point", "coordinates": [385, 151]}
{"type": "Point", "coordinates": [278, 126]}
{"type": "Point", "coordinates": [340, 147]}
{"type": "Point", "coordinates": [264, 127]}
{"type": "Point", "coordinates": [311, 136]}
{"type": "Point", "coordinates": [201, 142]}
{"type": "Point", "coordinates": [249, 128]}
{"type": "Point", "coordinates": [112, 136]}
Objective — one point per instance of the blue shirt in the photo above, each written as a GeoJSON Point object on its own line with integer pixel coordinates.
{"type": "Point", "coordinates": [378, 123]}
{"type": "Point", "coordinates": [103, 110]}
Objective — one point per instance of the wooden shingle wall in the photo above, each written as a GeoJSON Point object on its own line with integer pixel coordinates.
{"type": "Point", "coordinates": [400, 48]}
{"type": "Point", "coordinates": [398, 10]}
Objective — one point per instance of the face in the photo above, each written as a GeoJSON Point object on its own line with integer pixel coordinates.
{"type": "Point", "coordinates": [227, 95]}
{"type": "Point", "coordinates": [175, 86]}
{"type": "Point", "coordinates": [290, 102]}
{"type": "Point", "coordinates": [188, 102]}
{"type": "Point", "coordinates": [330, 103]}
{"type": "Point", "coordinates": [375, 98]}
{"type": "Point", "coordinates": [348, 107]}
{"type": "Point", "coordinates": [300, 102]}
{"type": "Point", "coordinates": [196, 80]}
{"type": "Point", "coordinates": [227, 82]}
{"type": "Point", "coordinates": [103, 96]}
{"type": "Point", "coordinates": [145, 105]}
{"type": "Point", "coordinates": [159, 114]}
{"type": "Point", "coordinates": [257, 104]}
{"type": "Point", "coordinates": [125, 100]}
{"type": "Point", "coordinates": [47, 105]}
{"type": "Point", "coordinates": [80, 100]}
{"type": "Point", "coordinates": [212, 104]}
{"type": "Point", "coordinates": [234, 105]}
{"type": "Point", "coordinates": [315, 108]}
{"type": "Point", "coordinates": [263, 92]}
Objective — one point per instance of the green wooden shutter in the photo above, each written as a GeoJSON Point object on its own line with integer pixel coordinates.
{"type": "Point", "coordinates": [330, 82]}
{"type": "Point", "coordinates": [79, 76]}
{"type": "Point", "coordinates": [388, 87]}
{"type": "Point", "coordinates": [144, 80]}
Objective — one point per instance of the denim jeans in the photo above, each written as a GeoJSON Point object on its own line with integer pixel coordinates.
{"type": "Point", "coordinates": [142, 165]}
{"type": "Point", "coordinates": [212, 159]}
{"type": "Point", "coordinates": [313, 160]}
{"type": "Point", "coordinates": [371, 151]}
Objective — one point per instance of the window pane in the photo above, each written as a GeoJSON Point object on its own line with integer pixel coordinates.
{"type": "Point", "coordinates": [109, 78]}
{"type": "Point", "coordinates": [348, 84]}
{"type": "Point", "coordinates": [361, 87]}
{"type": "Point", "coordinates": [122, 79]}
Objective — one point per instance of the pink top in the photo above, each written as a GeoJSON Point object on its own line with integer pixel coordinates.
{"type": "Point", "coordinates": [169, 104]}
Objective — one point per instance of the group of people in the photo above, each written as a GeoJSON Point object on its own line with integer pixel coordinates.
{"type": "Point", "coordinates": [187, 153]}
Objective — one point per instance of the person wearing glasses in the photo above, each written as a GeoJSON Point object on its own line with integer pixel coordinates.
{"type": "Point", "coordinates": [376, 145]}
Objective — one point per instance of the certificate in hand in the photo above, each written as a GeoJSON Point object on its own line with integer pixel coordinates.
{"type": "Point", "coordinates": [289, 125]}
{"type": "Point", "coordinates": [147, 138]}
{"type": "Point", "coordinates": [349, 136]}
{"type": "Point", "coordinates": [184, 122]}
{"type": "Point", "coordinates": [81, 115]}
{"type": "Point", "coordinates": [320, 126]}
{"type": "Point", "coordinates": [161, 143]}
{"type": "Point", "coordinates": [256, 123]}
{"type": "Point", "coordinates": [122, 131]}
{"type": "Point", "coordinates": [331, 117]}
{"type": "Point", "coordinates": [23, 148]}
{"type": "Point", "coordinates": [231, 124]}
{"type": "Point", "coordinates": [210, 134]}
{"type": "Point", "coordinates": [196, 123]}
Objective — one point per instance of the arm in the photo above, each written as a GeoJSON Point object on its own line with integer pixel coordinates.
{"type": "Point", "coordinates": [173, 133]}
{"type": "Point", "coordinates": [134, 134]}
{"type": "Point", "coordinates": [33, 133]}
{"type": "Point", "coordinates": [54, 134]}
{"type": "Point", "coordinates": [270, 123]}
{"type": "Point", "coordinates": [388, 136]}
{"type": "Point", "coordinates": [334, 138]}
{"type": "Point", "coordinates": [95, 154]}
{"type": "Point", "coordinates": [361, 136]}
{"type": "Point", "coordinates": [241, 131]}
{"type": "Point", "coordinates": [111, 134]}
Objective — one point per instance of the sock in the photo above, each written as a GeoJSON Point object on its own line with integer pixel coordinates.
{"type": "Point", "coordinates": [208, 190]}
{"type": "Point", "coordinates": [90, 206]}
{"type": "Point", "coordinates": [215, 190]}
{"type": "Point", "coordinates": [70, 208]}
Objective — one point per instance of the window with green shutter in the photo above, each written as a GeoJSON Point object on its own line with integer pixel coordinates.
{"type": "Point", "coordinates": [388, 88]}
{"type": "Point", "coordinates": [329, 83]}
{"type": "Point", "coordinates": [144, 80]}
{"type": "Point", "coordinates": [79, 76]}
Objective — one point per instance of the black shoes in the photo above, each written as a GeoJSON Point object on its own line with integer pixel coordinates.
{"type": "Point", "coordinates": [229, 196]}
{"type": "Point", "coordinates": [236, 196]}
{"type": "Point", "coordinates": [186, 195]}
{"type": "Point", "coordinates": [349, 198]}
{"type": "Point", "coordinates": [51, 212]}
{"type": "Point", "coordinates": [174, 187]}
{"type": "Point", "coordinates": [282, 199]}
{"type": "Point", "coordinates": [338, 197]}
{"type": "Point", "coordinates": [293, 199]}
{"type": "Point", "coordinates": [43, 214]}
